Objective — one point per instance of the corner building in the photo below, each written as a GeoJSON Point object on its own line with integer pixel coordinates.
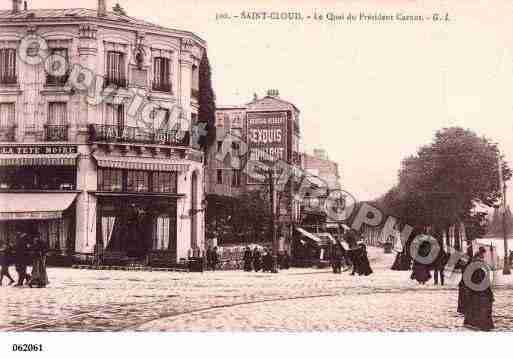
{"type": "Point", "coordinates": [92, 178]}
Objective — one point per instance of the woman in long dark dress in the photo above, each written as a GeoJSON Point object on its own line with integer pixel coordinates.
{"type": "Point", "coordinates": [365, 268]}
{"type": "Point", "coordinates": [462, 288]}
{"type": "Point", "coordinates": [479, 306]}
{"type": "Point", "coordinates": [39, 275]}
{"type": "Point", "coordinates": [4, 263]}
{"type": "Point", "coordinates": [247, 260]}
{"type": "Point", "coordinates": [420, 271]}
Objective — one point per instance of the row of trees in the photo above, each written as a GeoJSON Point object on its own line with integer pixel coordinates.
{"type": "Point", "coordinates": [245, 219]}
{"type": "Point", "coordinates": [447, 182]}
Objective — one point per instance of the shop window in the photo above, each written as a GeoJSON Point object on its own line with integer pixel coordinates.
{"type": "Point", "coordinates": [161, 74]}
{"type": "Point", "coordinates": [219, 176]}
{"type": "Point", "coordinates": [236, 178]}
{"type": "Point", "coordinates": [164, 182]}
{"type": "Point", "coordinates": [161, 233]}
{"type": "Point", "coordinates": [110, 180]}
{"type": "Point", "coordinates": [8, 66]}
{"type": "Point", "coordinates": [116, 72]}
{"type": "Point", "coordinates": [137, 181]}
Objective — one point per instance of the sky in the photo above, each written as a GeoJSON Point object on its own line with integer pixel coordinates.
{"type": "Point", "coordinates": [370, 93]}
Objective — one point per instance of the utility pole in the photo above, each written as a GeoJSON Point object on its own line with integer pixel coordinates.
{"type": "Point", "coordinates": [506, 269]}
{"type": "Point", "coordinates": [272, 191]}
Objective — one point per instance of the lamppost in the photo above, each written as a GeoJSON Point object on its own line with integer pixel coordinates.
{"type": "Point", "coordinates": [273, 195]}
{"type": "Point", "coordinates": [506, 268]}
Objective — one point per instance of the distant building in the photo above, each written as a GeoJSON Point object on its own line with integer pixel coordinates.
{"type": "Point", "coordinates": [321, 166]}
{"type": "Point", "coordinates": [262, 129]}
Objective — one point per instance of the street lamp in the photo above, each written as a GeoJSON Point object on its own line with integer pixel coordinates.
{"type": "Point", "coordinates": [506, 269]}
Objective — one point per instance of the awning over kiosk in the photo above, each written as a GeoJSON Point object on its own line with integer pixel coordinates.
{"type": "Point", "coordinates": [23, 206]}
{"type": "Point", "coordinates": [308, 235]}
{"type": "Point", "coordinates": [136, 163]}
{"type": "Point", "coordinates": [39, 160]}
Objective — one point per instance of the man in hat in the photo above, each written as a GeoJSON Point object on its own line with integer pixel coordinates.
{"type": "Point", "coordinates": [21, 257]}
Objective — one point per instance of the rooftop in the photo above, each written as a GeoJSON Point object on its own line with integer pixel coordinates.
{"type": "Point", "coordinates": [80, 13]}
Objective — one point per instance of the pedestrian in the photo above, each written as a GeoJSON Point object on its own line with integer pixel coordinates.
{"type": "Point", "coordinates": [420, 271]}
{"type": "Point", "coordinates": [214, 259]}
{"type": "Point", "coordinates": [267, 261]}
{"type": "Point", "coordinates": [257, 260]}
{"type": "Point", "coordinates": [336, 259]}
{"type": "Point", "coordinates": [208, 256]}
{"type": "Point", "coordinates": [478, 311]}
{"type": "Point", "coordinates": [22, 258]}
{"type": "Point", "coordinates": [365, 268]}
{"type": "Point", "coordinates": [248, 258]}
{"type": "Point", "coordinates": [439, 266]}
{"type": "Point", "coordinates": [462, 288]}
{"type": "Point", "coordinates": [285, 260]}
{"type": "Point", "coordinates": [39, 250]}
{"type": "Point", "coordinates": [5, 261]}
{"type": "Point", "coordinates": [510, 258]}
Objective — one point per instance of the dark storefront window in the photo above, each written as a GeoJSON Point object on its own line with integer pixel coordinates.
{"type": "Point", "coordinates": [116, 180]}
{"type": "Point", "coordinates": [38, 178]}
{"type": "Point", "coordinates": [138, 181]}
{"type": "Point", "coordinates": [164, 182]}
{"type": "Point", "coordinates": [110, 180]}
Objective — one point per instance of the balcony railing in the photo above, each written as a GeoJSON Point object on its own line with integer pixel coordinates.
{"type": "Point", "coordinates": [113, 81]}
{"type": "Point", "coordinates": [7, 133]}
{"type": "Point", "coordinates": [161, 86]}
{"type": "Point", "coordinates": [195, 94]}
{"type": "Point", "coordinates": [8, 79]}
{"type": "Point", "coordinates": [113, 133]}
{"type": "Point", "coordinates": [56, 80]}
{"type": "Point", "coordinates": [56, 132]}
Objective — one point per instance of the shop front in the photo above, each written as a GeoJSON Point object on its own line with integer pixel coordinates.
{"type": "Point", "coordinates": [37, 196]}
{"type": "Point", "coordinates": [139, 211]}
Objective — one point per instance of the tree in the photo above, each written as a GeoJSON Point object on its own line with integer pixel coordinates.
{"type": "Point", "coordinates": [445, 181]}
{"type": "Point", "coordinates": [207, 106]}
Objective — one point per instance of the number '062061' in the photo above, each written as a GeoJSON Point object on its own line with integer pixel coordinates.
{"type": "Point", "coordinates": [27, 347]}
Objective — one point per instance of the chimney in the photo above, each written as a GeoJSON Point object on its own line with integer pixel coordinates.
{"type": "Point", "coordinates": [102, 8]}
{"type": "Point", "coordinates": [16, 6]}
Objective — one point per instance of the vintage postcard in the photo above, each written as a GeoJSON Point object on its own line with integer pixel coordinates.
{"type": "Point", "coordinates": [254, 166]}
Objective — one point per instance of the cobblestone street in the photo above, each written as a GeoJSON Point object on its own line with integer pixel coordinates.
{"type": "Point", "coordinates": [292, 300]}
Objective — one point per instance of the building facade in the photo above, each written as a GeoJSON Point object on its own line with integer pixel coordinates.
{"type": "Point", "coordinates": [319, 165]}
{"type": "Point", "coordinates": [265, 130]}
{"type": "Point", "coordinates": [96, 153]}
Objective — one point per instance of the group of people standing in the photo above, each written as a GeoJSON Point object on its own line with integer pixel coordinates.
{"type": "Point", "coordinates": [27, 250]}
{"type": "Point", "coordinates": [255, 260]}
{"type": "Point", "coordinates": [355, 257]}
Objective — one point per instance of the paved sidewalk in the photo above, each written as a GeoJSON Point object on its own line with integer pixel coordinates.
{"type": "Point", "coordinates": [295, 299]}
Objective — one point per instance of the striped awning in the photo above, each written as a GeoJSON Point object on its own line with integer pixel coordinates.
{"type": "Point", "coordinates": [23, 206]}
{"type": "Point", "coordinates": [136, 163]}
{"type": "Point", "coordinates": [39, 160]}
{"type": "Point", "coordinates": [308, 235]}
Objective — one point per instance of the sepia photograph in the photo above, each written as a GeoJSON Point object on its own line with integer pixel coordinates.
{"type": "Point", "coordinates": [180, 169]}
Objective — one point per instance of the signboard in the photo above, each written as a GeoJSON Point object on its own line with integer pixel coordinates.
{"type": "Point", "coordinates": [266, 138]}
{"type": "Point", "coordinates": [38, 150]}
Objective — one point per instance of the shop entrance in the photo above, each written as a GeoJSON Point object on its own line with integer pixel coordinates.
{"type": "Point", "coordinates": [135, 227]}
